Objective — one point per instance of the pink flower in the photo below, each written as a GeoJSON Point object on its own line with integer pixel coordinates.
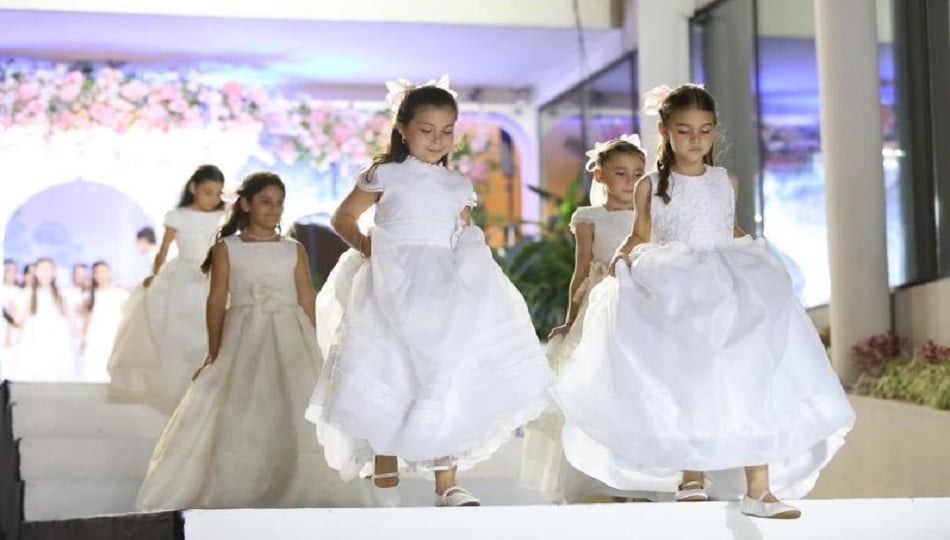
{"type": "Point", "coordinates": [317, 116]}
{"type": "Point", "coordinates": [340, 134]}
{"type": "Point", "coordinates": [358, 153]}
{"type": "Point", "coordinates": [75, 78]}
{"type": "Point", "coordinates": [28, 90]}
{"type": "Point", "coordinates": [133, 90]}
{"type": "Point", "coordinates": [111, 76]}
{"type": "Point", "coordinates": [258, 96]}
{"type": "Point", "coordinates": [104, 114]}
{"type": "Point", "coordinates": [64, 120]}
{"type": "Point", "coordinates": [178, 106]}
{"type": "Point", "coordinates": [479, 170]}
{"type": "Point", "coordinates": [232, 88]}
{"type": "Point", "coordinates": [235, 102]}
{"type": "Point", "coordinates": [169, 92]}
{"type": "Point", "coordinates": [35, 107]}
{"type": "Point", "coordinates": [71, 88]}
{"type": "Point", "coordinates": [153, 115]}
{"type": "Point", "coordinates": [465, 165]}
{"type": "Point", "coordinates": [287, 151]}
{"type": "Point", "coordinates": [379, 123]}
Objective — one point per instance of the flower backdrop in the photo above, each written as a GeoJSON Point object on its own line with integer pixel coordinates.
{"type": "Point", "coordinates": [133, 134]}
{"type": "Point", "coordinates": [60, 97]}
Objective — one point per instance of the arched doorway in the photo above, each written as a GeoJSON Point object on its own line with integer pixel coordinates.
{"type": "Point", "coordinates": [78, 222]}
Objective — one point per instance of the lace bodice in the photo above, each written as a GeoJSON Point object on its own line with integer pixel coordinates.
{"type": "Point", "coordinates": [610, 229]}
{"type": "Point", "coordinates": [701, 211]}
{"type": "Point", "coordinates": [194, 231]}
{"type": "Point", "coordinates": [262, 273]}
{"type": "Point", "coordinates": [420, 202]}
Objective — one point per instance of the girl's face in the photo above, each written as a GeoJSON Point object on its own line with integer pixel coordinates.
{"type": "Point", "coordinates": [43, 273]}
{"type": "Point", "coordinates": [81, 276]}
{"type": "Point", "coordinates": [10, 272]}
{"type": "Point", "coordinates": [430, 135]}
{"type": "Point", "coordinates": [691, 133]}
{"type": "Point", "coordinates": [619, 175]}
{"type": "Point", "coordinates": [207, 194]}
{"type": "Point", "coordinates": [102, 275]}
{"type": "Point", "coordinates": [266, 207]}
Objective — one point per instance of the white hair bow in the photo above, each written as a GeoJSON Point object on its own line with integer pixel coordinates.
{"type": "Point", "coordinates": [230, 195]}
{"type": "Point", "coordinates": [400, 87]}
{"type": "Point", "coordinates": [599, 147]}
{"type": "Point", "coordinates": [653, 100]}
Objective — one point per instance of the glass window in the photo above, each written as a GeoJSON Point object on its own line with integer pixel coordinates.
{"type": "Point", "coordinates": [786, 164]}
{"type": "Point", "coordinates": [600, 108]}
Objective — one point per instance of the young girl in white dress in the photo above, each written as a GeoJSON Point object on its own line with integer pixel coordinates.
{"type": "Point", "coordinates": [159, 340]}
{"type": "Point", "coordinates": [431, 353]}
{"type": "Point", "coordinates": [238, 438]}
{"type": "Point", "coordinates": [9, 292]}
{"type": "Point", "coordinates": [77, 293]}
{"type": "Point", "coordinates": [103, 312]}
{"type": "Point", "coordinates": [598, 230]}
{"type": "Point", "coordinates": [698, 357]}
{"type": "Point", "coordinates": [46, 346]}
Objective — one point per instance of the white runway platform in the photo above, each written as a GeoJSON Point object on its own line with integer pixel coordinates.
{"type": "Point", "coordinates": [82, 457]}
{"type": "Point", "coordinates": [865, 519]}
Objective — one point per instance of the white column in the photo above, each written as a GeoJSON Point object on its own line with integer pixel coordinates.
{"type": "Point", "coordinates": [662, 35]}
{"type": "Point", "coordinates": [851, 140]}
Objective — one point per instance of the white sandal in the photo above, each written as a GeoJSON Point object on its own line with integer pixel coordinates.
{"type": "Point", "coordinates": [387, 497]}
{"type": "Point", "coordinates": [773, 510]}
{"type": "Point", "coordinates": [456, 496]}
{"type": "Point", "coordinates": [692, 491]}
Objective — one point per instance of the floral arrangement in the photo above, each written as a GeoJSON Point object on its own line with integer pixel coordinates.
{"type": "Point", "coordinates": [887, 370]}
{"type": "Point", "coordinates": [60, 97]}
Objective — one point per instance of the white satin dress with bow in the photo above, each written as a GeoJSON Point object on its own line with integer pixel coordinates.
{"type": "Point", "coordinates": [239, 439]}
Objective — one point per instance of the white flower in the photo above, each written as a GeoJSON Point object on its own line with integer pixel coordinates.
{"type": "Point", "coordinates": [594, 153]}
{"type": "Point", "coordinates": [653, 100]}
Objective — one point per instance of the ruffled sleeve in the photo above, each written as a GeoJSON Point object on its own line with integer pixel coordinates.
{"type": "Point", "coordinates": [583, 214]}
{"type": "Point", "coordinates": [174, 219]}
{"type": "Point", "coordinates": [372, 181]}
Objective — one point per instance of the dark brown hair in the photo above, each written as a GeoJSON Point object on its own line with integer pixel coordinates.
{"type": "Point", "coordinates": [57, 298]}
{"type": "Point", "coordinates": [238, 219]}
{"type": "Point", "coordinates": [398, 151]}
{"type": "Point", "coordinates": [94, 285]}
{"type": "Point", "coordinates": [204, 173]}
{"type": "Point", "coordinates": [682, 97]}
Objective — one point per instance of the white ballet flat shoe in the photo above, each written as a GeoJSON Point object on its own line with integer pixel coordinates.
{"type": "Point", "coordinates": [456, 496]}
{"type": "Point", "coordinates": [691, 491]}
{"type": "Point", "coordinates": [387, 497]}
{"type": "Point", "coordinates": [773, 510]}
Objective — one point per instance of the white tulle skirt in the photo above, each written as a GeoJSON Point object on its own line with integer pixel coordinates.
{"type": "Point", "coordinates": [543, 464]}
{"type": "Point", "coordinates": [238, 438]}
{"type": "Point", "coordinates": [162, 339]}
{"type": "Point", "coordinates": [701, 360]}
{"type": "Point", "coordinates": [432, 356]}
